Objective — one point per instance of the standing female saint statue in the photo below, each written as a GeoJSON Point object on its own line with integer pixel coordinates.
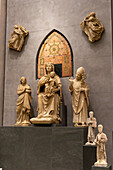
{"type": "Point", "coordinates": [23, 103]}
{"type": "Point", "coordinates": [49, 97]}
{"type": "Point", "coordinates": [80, 97]}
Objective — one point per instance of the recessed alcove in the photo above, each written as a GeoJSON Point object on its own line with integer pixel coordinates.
{"type": "Point", "coordinates": [55, 48]}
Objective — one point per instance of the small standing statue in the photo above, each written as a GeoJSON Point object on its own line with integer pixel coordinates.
{"type": "Point", "coordinates": [49, 94]}
{"type": "Point", "coordinates": [80, 97]}
{"type": "Point", "coordinates": [92, 124]}
{"type": "Point", "coordinates": [92, 27]}
{"type": "Point", "coordinates": [17, 38]}
{"type": "Point", "coordinates": [23, 103]}
{"type": "Point", "coordinates": [100, 141]}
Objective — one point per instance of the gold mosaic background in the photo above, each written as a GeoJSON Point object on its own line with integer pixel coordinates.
{"type": "Point", "coordinates": [56, 50]}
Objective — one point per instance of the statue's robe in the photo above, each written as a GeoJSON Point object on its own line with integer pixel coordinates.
{"type": "Point", "coordinates": [14, 41]}
{"type": "Point", "coordinates": [80, 101]}
{"type": "Point", "coordinates": [91, 129]}
{"type": "Point", "coordinates": [101, 139]}
{"type": "Point", "coordinates": [23, 103]}
{"type": "Point", "coordinates": [17, 39]}
{"type": "Point", "coordinates": [48, 106]}
{"type": "Point", "coordinates": [93, 28]}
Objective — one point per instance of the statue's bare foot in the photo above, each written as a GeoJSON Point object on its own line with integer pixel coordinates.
{"type": "Point", "coordinates": [39, 116]}
{"type": "Point", "coordinates": [84, 124]}
{"type": "Point", "coordinates": [76, 125]}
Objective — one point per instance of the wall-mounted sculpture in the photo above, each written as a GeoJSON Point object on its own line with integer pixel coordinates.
{"type": "Point", "coordinates": [49, 96]}
{"type": "Point", "coordinates": [80, 97]}
{"type": "Point", "coordinates": [92, 27]}
{"type": "Point", "coordinates": [23, 103]}
{"type": "Point", "coordinates": [92, 124]}
{"type": "Point", "coordinates": [17, 38]}
{"type": "Point", "coordinates": [100, 141]}
{"type": "Point", "coordinates": [55, 48]}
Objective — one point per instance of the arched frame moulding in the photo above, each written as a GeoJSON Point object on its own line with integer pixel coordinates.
{"type": "Point", "coordinates": [55, 48]}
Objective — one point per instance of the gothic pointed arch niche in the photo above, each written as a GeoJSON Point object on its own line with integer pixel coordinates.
{"type": "Point", "coordinates": [55, 48]}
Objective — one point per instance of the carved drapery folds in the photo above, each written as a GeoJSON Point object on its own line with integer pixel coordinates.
{"type": "Point", "coordinates": [17, 38]}
{"type": "Point", "coordinates": [92, 27]}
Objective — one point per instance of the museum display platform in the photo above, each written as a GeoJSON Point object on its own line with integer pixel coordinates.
{"type": "Point", "coordinates": [89, 155]}
{"type": "Point", "coordinates": [42, 148]}
{"type": "Point", "coordinates": [102, 168]}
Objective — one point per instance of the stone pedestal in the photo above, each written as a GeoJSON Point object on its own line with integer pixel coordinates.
{"type": "Point", "coordinates": [89, 155]}
{"type": "Point", "coordinates": [102, 168]}
{"type": "Point", "coordinates": [49, 121]}
{"type": "Point", "coordinates": [42, 148]}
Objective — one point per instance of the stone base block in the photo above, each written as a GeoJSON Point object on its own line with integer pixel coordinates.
{"type": "Point", "coordinates": [101, 168]}
{"type": "Point", "coordinates": [89, 154]}
{"type": "Point", "coordinates": [42, 148]}
{"type": "Point", "coordinates": [42, 120]}
{"type": "Point", "coordinates": [50, 121]}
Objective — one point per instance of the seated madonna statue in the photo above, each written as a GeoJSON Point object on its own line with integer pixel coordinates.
{"type": "Point", "coordinates": [49, 97]}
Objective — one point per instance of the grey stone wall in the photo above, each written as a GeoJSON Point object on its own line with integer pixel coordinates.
{"type": "Point", "coordinates": [40, 17]}
{"type": "Point", "coordinates": [2, 54]}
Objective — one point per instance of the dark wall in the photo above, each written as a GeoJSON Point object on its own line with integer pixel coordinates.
{"type": "Point", "coordinates": [39, 17]}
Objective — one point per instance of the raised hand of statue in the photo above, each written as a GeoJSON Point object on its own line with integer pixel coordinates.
{"type": "Point", "coordinates": [47, 79]}
{"type": "Point", "coordinates": [27, 89]}
{"type": "Point", "coordinates": [56, 89]}
{"type": "Point", "coordinates": [43, 80]}
{"type": "Point", "coordinates": [91, 122]}
{"type": "Point", "coordinates": [24, 89]}
{"type": "Point", "coordinates": [70, 80]}
{"type": "Point", "coordinates": [96, 142]}
{"type": "Point", "coordinates": [83, 89]}
{"type": "Point", "coordinates": [70, 85]}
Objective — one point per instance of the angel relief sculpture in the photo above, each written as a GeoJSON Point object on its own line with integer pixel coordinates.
{"type": "Point", "coordinates": [17, 38]}
{"type": "Point", "coordinates": [92, 27]}
{"type": "Point", "coordinates": [49, 96]}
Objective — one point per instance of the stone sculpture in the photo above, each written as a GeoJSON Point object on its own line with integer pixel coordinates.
{"type": "Point", "coordinates": [23, 103]}
{"type": "Point", "coordinates": [92, 27]}
{"type": "Point", "coordinates": [100, 141]}
{"type": "Point", "coordinates": [49, 97]}
{"type": "Point", "coordinates": [80, 97]}
{"type": "Point", "coordinates": [92, 124]}
{"type": "Point", "coordinates": [17, 38]}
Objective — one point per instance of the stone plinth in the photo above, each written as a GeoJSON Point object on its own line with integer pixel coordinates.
{"type": "Point", "coordinates": [89, 154]}
{"type": "Point", "coordinates": [42, 148]}
{"type": "Point", "coordinates": [101, 168]}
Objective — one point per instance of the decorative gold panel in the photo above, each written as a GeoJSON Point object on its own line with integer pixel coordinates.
{"type": "Point", "coordinates": [55, 49]}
